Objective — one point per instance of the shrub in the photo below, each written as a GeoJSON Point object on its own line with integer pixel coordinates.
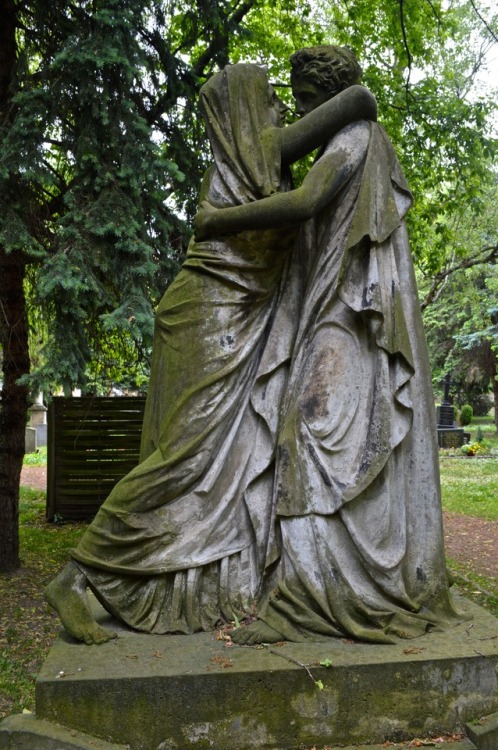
{"type": "Point", "coordinates": [481, 405]}
{"type": "Point", "coordinates": [466, 415]}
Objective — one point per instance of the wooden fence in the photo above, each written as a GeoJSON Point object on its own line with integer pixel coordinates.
{"type": "Point", "coordinates": [92, 443]}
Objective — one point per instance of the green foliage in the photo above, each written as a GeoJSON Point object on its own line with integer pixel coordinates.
{"type": "Point", "coordinates": [420, 58]}
{"type": "Point", "coordinates": [487, 430]}
{"type": "Point", "coordinates": [460, 317]}
{"type": "Point", "coordinates": [84, 184]}
{"type": "Point", "coordinates": [474, 449]}
{"type": "Point", "coordinates": [477, 588]}
{"type": "Point", "coordinates": [36, 459]}
{"type": "Point", "coordinates": [466, 415]}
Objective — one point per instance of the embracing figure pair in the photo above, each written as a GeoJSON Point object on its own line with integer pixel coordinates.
{"type": "Point", "coordinates": [285, 477]}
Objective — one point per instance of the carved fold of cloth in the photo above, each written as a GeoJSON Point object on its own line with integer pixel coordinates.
{"type": "Point", "coordinates": [290, 459]}
{"type": "Point", "coordinates": [360, 549]}
{"type": "Point", "coordinates": [180, 542]}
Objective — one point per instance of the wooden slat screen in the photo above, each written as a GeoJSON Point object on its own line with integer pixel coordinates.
{"type": "Point", "coordinates": [92, 443]}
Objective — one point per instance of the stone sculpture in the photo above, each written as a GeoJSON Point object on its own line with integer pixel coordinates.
{"type": "Point", "coordinates": [285, 475]}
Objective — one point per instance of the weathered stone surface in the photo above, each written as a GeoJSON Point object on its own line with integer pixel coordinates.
{"type": "Point", "coordinates": [485, 733]}
{"type": "Point", "coordinates": [289, 466]}
{"type": "Point", "coordinates": [26, 732]}
{"type": "Point", "coordinates": [458, 745]}
{"type": "Point", "coordinates": [172, 692]}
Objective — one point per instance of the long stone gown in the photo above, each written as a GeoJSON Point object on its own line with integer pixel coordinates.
{"type": "Point", "coordinates": [181, 541]}
{"type": "Point", "coordinates": [290, 461]}
{"type": "Point", "coordinates": [359, 549]}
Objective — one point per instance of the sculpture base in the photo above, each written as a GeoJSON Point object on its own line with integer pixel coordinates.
{"type": "Point", "coordinates": [184, 692]}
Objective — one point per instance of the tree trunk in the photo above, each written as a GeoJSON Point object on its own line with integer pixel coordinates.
{"type": "Point", "coordinates": [14, 401]}
{"type": "Point", "coordinates": [13, 334]}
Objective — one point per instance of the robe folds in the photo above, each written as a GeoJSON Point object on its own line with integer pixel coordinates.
{"type": "Point", "coordinates": [290, 465]}
{"type": "Point", "coordinates": [357, 498]}
{"type": "Point", "coordinates": [181, 540]}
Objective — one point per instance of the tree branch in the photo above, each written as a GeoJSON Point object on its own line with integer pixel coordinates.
{"type": "Point", "coordinates": [405, 42]}
{"type": "Point", "coordinates": [219, 39]}
{"type": "Point", "coordinates": [439, 279]}
{"type": "Point", "coordinates": [483, 20]}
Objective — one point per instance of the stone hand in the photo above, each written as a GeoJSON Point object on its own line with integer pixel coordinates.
{"type": "Point", "coordinates": [203, 224]}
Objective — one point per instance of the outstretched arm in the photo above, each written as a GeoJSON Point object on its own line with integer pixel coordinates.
{"type": "Point", "coordinates": [317, 127]}
{"type": "Point", "coordinates": [320, 185]}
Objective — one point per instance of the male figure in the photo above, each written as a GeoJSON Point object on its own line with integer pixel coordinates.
{"type": "Point", "coordinates": [358, 547]}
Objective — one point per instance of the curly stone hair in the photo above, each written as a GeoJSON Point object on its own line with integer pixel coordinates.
{"type": "Point", "coordinates": [331, 67]}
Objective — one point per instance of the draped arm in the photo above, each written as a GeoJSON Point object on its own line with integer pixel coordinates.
{"type": "Point", "coordinates": [318, 127]}
{"type": "Point", "coordinates": [322, 182]}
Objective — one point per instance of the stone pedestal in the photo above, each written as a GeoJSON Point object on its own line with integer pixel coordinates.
{"type": "Point", "coordinates": [147, 692]}
{"type": "Point", "coordinates": [37, 415]}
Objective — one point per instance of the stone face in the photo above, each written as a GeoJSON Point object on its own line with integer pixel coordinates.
{"type": "Point", "coordinates": [173, 692]}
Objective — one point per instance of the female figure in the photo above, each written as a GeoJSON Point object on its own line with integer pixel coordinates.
{"type": "Point", "coordinates": [357, 548]}
{"type": "Point", "coordinates": [181, 541]}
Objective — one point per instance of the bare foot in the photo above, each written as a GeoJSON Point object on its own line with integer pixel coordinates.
{"type": "Point", "coordinates": [256, 632]}
{"type": "Point", "coordinates": [67, 595]}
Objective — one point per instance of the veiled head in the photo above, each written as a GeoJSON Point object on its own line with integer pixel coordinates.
{"type": "Point", "coordinates": [238, 106]}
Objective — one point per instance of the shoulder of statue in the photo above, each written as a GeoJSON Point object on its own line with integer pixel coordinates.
{"type": "Point", "coordinates": [354, 136]}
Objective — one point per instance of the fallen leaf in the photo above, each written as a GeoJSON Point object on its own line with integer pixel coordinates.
{"type": "Point", "coordinates": [413, 650]}
{"type": "Point", "coordinates": [222, 661]}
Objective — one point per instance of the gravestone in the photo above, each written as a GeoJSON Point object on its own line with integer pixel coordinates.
{"type": "Point", "coordinates": [38, 420]}
{"type": "Point", "coordinates": [448, 434]}
{"type": "Point", "coordinates": [30, 444]}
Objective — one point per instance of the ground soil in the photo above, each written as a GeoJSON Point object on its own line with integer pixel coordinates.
{"type": "Point", "coordinates": [473, 541]}
{"type": "Point", "coordinates": [468, 540]}
{"type": "Point", "coordinates": [35, 477]}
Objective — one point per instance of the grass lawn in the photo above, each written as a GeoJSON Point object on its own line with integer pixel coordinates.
{"type": "Point", "coordinates": [469, 486]}
{"type": "Point", "coordinates": [28, 627]}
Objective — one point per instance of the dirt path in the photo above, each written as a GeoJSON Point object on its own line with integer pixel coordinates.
{"type": "Point", "coordinates": [474, 541]}
{"type": "Point", "coordinates": [467, 539]}
{"type": "Point", "coordinates": [35, 477]}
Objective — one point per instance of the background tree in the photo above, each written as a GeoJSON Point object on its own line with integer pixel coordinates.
{"type": "Point", "coordinates": [421, 59]}
{"type": "Point", "coordinates": [462, 333]}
